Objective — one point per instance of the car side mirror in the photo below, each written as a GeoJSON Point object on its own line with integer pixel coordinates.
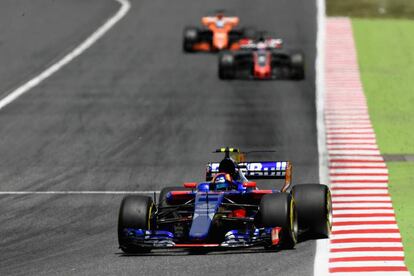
{"type": "Point", "coordinates": [250, 184]}
{"type": "Point", "coordinates": [190, 185]}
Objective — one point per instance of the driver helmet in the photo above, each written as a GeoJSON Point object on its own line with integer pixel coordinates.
{"type": "Point", "coordinates": [221, 182]}
{"type": "Point", "coordinates": [227, 166]}
{"type": "Point", "coordinates": [220, 15]}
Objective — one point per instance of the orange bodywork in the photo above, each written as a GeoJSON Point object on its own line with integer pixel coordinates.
{"type": "Point", "coordinates": [220, 27]}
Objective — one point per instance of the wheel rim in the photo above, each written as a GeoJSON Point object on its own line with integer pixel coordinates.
{"type": "Point", "coordinates": [328, 211]}
{"type": "Point", "coordinates": [293, 220]}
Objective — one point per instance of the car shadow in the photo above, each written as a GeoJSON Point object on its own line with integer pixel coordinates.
{"type": "Point", "coordinates": [170, 252]}
{"type": "Point", "coordinates": [200, 252]}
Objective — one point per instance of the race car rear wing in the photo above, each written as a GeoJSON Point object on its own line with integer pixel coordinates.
{"type": "Point", "coordinates": [258, 170]}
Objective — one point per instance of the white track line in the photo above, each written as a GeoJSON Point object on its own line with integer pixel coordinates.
{"type": "Point", "coordinates": [75, 192]}
{"type": "Point", "coordinates": [321, 262]}
{"type": "Point", "coordinates": [12, 96]}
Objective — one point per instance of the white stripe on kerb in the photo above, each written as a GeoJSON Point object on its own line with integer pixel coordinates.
{"type": "Point", "coordinates": [356, 205]}
{"type": "Point", "coordinates": [363, 219]}
{"type": "Point", "coordinates": [359, 171]}
{"type": "Point", "coordinates": [367, 235]}
{"type": "Point", "coordinates": [365, 211]}
{"type": "Point", "coordinates": [359, 192]}
{"type": "Point", "coordinates": [363, 227]}
{"type": "Point", "coordinates": [338, 198]}
{"type": "Point", "coordinates": [365, 244]}
{"type": "Point", "coordinates": [367, 254]}
{"type": "Point", "coordinates": [367, 264]}
{"type": "Point", "coordinates": [359, 178]}
{"type": "Point", "coordinates": [394, 273]}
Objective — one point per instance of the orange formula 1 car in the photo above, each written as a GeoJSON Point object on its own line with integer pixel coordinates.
{"type": "Point", "coordinates": [218, 33]}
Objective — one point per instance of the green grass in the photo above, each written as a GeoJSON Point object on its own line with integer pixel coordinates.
{"type": "Point", "coordinates": [402, 190]}
{"type": "Point", "coordinates": [386, 59]}
{"type": "Point", "coordinates": [371, 8]}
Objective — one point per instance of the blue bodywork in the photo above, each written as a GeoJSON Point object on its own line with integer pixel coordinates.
{"type": "Point", "coordinates": [206, 205]}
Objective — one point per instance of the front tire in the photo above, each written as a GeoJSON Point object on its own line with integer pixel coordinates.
{"type": "Point", "coordinates": [314, 207]}
{"type": "Point", "coordinates": [135, 212]}
{"type": "Point", "coordinates": [278, 210]}
{"type": "Point", "coordinates": [226, 66]}
{"type": "Point", "coordinates": [191, 36]}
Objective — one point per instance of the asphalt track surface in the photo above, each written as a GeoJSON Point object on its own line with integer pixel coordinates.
{"type": "Point", "coordinates": [135, 113]}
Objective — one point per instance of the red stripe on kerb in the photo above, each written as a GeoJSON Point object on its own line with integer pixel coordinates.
{"type": "Point", "coordinates": [359, 181]}
{"type": "Point", "coordinates": [350, 128]}
{"type": "Point", "coordinates": [367, 269]}
{"type": "Point", "coordinates": [366, 259]}
{"type": "Point", "coordinates": [357, 167]}
{"type": "Point", "coordinates": [350, 133]}
{"type": "Point", "coordinates": [349, 138]}
{"type": "Point", "coordinates": [367, 249]}
{"type": "Point", "coordinates": [366, 231]}
{"type": "Point", "coordinates": [361, 195]}
{"type": "Point", "coordinates": [358, 174]}
{"type": "Point", "coordinates": [348, 144]}
{"type": "Point", "coordinates": [361, 201]}
{"type": "Point", "coordinates": [358, 188]}
{"type": "Point", "coordinates": [354, 161]}
{"type": "Point", "coordinates": [377, 222]}
{"type": "Point", "coordinates": [363, 215]}
{"type": "Point", "coordinates": [362, 208]}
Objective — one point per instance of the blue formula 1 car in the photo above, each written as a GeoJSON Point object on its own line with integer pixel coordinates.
{"type": "Point", "coordinates": [226, 211]}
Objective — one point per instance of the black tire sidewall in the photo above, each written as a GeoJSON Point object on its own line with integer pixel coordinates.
{"type": "Point", "coordinates": [135, 213]}
{"type": "Point", "coordinates": [314, 208]}
{"type": "Point", "coordinates": [297, 61]}
{"type": "Point", "coordinates": [226, 66]}
{"type": "Point", "coordinates": [278, 210]}
{"type": "Point", "coordinates": [189, 39]}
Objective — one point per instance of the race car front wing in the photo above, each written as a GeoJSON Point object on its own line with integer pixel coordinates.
{"type": "Point", "coordinates": [267, 236]}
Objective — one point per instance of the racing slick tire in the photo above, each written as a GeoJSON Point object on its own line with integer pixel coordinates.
{"type": "Point", "coordinates": [278, 210]}
{"type": "Point", "coordinates": [314, 208]}
{"type": "Point", "coordinates": [191, 36]}
{"type": "Point", "coordinates": [226, 66]}
{"type": "Point", "coordinates": [135, 212]}
{"type": "Point", "coordinates": [297, 62]}
{"type": "Point", "coordinates": [163, 195]}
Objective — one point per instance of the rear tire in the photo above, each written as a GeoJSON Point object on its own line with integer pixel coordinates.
{"type": "Point", "coordinates": [191, 36]}
{"type": "Point", "coordinates": [226, 66]}
{"type": "Point", "coordinates": [135, 212]}
{"type": "Point", "coordinates": [297, 61]}
{"type": "Point", "coordinates": [278, 210]}
{"type": "Point", "coordinates": [314, 207]}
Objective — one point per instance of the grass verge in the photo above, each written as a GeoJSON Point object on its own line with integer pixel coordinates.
{"type": "Point", "coordinates": [402, 189]}
{"type": "Point", "coordinates": [371, 8]}
{"type": "Point", "coordinates": [386, 60]}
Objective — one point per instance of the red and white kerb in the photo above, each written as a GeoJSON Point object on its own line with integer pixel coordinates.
{"type": "Point", "coordinates": [365, 238]}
